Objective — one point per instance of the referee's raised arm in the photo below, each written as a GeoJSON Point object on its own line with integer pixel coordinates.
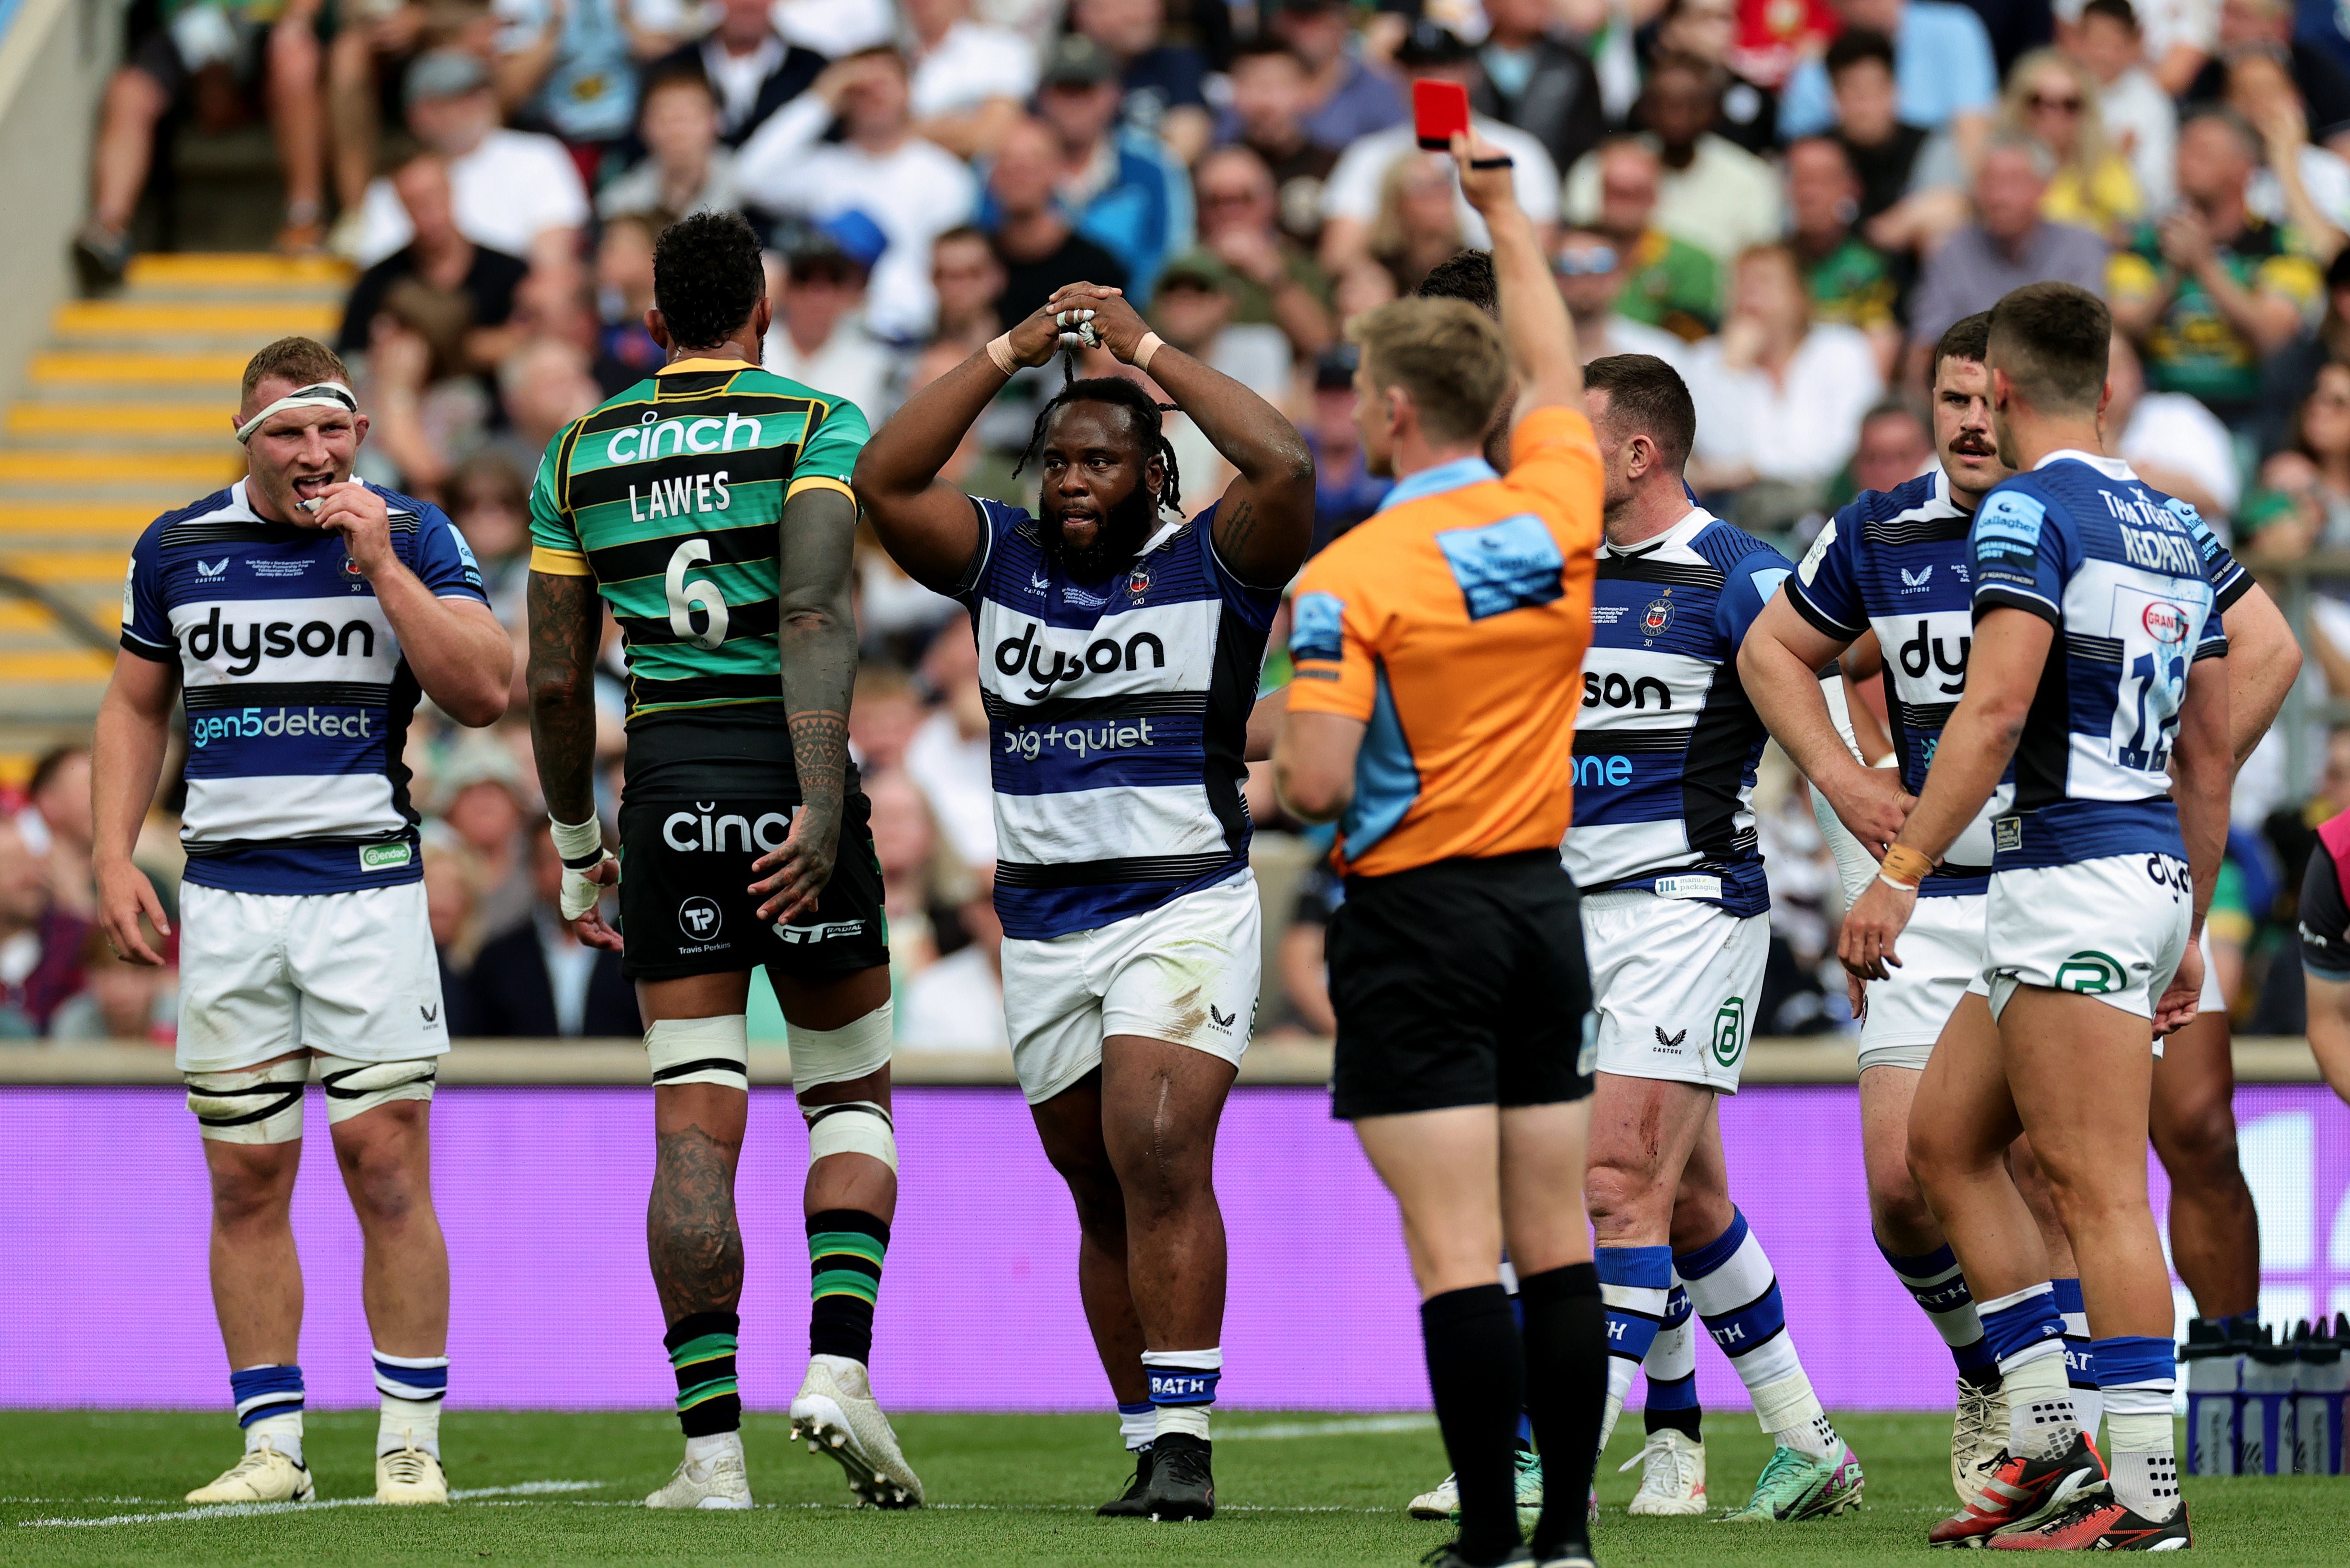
{"type": "Point", "coordinates": [1535, 322]}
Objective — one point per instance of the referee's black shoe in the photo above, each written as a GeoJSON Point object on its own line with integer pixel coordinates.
{"type": "Point", "coordinates": [1130, 1505]}
{"type": "Point", "coordinates": [1449, 1556]}
{"type": "Point", "coordinates": [1181, 1486]}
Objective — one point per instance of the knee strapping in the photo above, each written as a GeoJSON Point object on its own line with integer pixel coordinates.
{"type": "Point", "coordinates": [858, 1049]}
{"type": "Point", "coordinates": [702, 1050]}
{"type": "Point", "coordinates": [250, 1104]}
{"type": "Point", "coordinates": [354, 1088]}
{"type": "Point", "coordinates": [852, 1126]}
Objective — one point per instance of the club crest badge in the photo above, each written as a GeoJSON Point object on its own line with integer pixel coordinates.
{"type": "Point", "coordinates": [1656, 616]}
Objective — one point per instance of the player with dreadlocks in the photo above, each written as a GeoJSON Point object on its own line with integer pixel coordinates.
{"type": "Point", "coordinates": [1120, 650]}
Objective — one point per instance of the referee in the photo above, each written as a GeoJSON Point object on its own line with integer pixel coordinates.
{"type": "Point", "coordinates": [1438, 647]}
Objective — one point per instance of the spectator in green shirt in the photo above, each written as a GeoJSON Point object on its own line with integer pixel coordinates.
{"type": "Point", "coordinates": [1849, 279]}
{"type": "Point", "coordinates": [2213, 290]}
{"type": "Point", "coordinates": [1667, 282]}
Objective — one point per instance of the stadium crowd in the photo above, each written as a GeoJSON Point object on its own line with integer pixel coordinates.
{"type": "Point", "coordinates": [1789, 199]}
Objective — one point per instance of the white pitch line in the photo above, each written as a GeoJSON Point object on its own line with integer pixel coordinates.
{"type": "Point", "coordinates": [1337, 1429]}
{"type": "Point", "coordinates": [258, 1510]}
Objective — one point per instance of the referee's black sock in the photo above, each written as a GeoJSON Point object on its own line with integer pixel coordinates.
{"type": "Point", "coordinates": [1566, 1392]}
{"type": "Point", "coordinates": [1476, 1369]}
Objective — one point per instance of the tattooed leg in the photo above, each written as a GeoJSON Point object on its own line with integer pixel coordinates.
{"type": "Point", "coordinates": [690, 1231]}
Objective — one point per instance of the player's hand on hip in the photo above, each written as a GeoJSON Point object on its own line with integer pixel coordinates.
{"type": "Point", "coordinates": [1114, 322]}
{"type": "Point", "coordinates": [1486, 179]}
{"type": "Point", "coordinates": [124, 894]}
{"type": "Point", "coordinates": [581, 901]}
{"type": "Point", "coordinates": [359, 515]}
{"type": "Point", "coordinates": [800, 866]}
{"type": "Point", "coordinates": [1876, 917]}
{"type": "Point", "coordinates": [2176, 1008]}
{"type": "Point", "coordinates": [1873, 805]}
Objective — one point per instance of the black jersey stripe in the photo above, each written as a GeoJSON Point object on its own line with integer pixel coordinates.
{"type": "Point", "coordinates": [2098, 649]}
{"type": "Point", "coordinates": [632, 483]}
{"type": "Point", "coordinates": [1096, 873]}
{"type": "Point", "coordinates": [1896, 532]}
{"type": "Point", "coordinates": [1646, 569]}
{"type": "Point", "coordinates": [1077, 710]}
{"type": "Point", "coordinates": [288, 694]}
{"type": "Point", "coordinates": [760, 619]}
{"type": "Point", "coordinates": [644, 693]}
{"type": "Point", "coordinates": [692, 390]}
{"type": "Point", "coordinates": [617, 564]}
{"type": "Point", "coordinates": [1609, 743]}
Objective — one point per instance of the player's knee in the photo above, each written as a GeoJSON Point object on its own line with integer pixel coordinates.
{"type": "Point", "coordinates": [1619, 1196]}
{"type": "Point", "coordinates": [2199, 1142]}
{"type": "Point", "coordinates": [1900, 1215]}
{"type": "Point", "coordinates": [253, 1186]}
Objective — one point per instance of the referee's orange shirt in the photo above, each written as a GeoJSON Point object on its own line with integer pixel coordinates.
{"type": "Point", "coordinates": [1453, 621]}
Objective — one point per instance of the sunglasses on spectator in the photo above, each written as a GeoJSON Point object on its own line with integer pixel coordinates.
{"type": "Point", "coordinates": [2039, 103]}
{"type": "Point", "coordinates": [1212, 198]}
{"type": "Point", "coordinates": [1593, 262]}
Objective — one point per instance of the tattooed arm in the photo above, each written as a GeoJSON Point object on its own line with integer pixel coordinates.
{"type": "Point", "coordinates": [566, 622]}
{"type": "Point", "coordinates": [1265, 525]}
{"type": "Point", "coordinates": [818, 633]}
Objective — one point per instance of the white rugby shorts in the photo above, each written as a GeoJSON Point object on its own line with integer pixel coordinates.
{"type": "Point", "coordinates": [1186, 971]}
{"type": "Point", "coordinates": [1941, 951]}
{"type": "Point", "coordinates": [2211, 1001]}
{"type": "Point", "coordinates": [2113, 927]}
{"type": "Point", "coordinates": [346, 974]}
{"type": "Point", "coordinates": [1674, 985]}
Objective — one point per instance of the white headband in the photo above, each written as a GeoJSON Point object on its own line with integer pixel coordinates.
{"type": "Point", "coordinates": [318, 395]}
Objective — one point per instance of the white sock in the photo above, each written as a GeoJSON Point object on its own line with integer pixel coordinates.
{"type": "Point", "coordinates": [716, 1445]}
{"type": "Point", "coordinates": [1791, 1413]}
{"type": "Point", "coordinates": [2145, 1467]}
{"type": "Point", "coordinates": [2040, 1419]}
{"type": "Point", "coordinates": [406, 1423]}
{"type": "Point", "coordinates": [1619, 1386]}
{"type": "Point", "coordinates": [1734, 1289]}
{"type": "Point", "coordinates": [1137, 1425]}
{"type": "Point", "coordinates": [1182, 1388]}
{"type": "Point", "coordinates": [284, 1432]}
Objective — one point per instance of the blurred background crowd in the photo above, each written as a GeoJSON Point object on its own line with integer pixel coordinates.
{"type": "Point", "coordinates": [1788, 199]}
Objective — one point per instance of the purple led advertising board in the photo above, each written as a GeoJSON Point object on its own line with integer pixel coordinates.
{"type": "Point", "coordinates": [103, 1300]}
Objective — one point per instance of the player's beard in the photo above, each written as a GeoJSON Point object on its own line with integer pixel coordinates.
{"type": "Point", "coordinates": [1119, 540]}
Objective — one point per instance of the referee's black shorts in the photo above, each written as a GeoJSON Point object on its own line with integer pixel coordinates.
{"type": "Point", "coordinates": [1460, 983]}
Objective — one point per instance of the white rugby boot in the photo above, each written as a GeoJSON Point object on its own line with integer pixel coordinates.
{"type": "Point", "coordinates": [1672, 1476]}
{"type": "Point", "coordinates": [264, 1475]}
{"type": "Point", "coordinates": [836, 1414]}
{"type": "Point", "coordinates": [1978, 1439]}
{"type": "Point", "coordinates": [720, 1480]}
{"type": "Point", "coordinates": [1442, 1503]}
{"type": "Point", "coordinates": [409, 1474]}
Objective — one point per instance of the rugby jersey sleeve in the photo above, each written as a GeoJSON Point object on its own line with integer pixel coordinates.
{"type": "Point", "coordinates": [555, 545]}
{"type": "Point", "coordinates": [2230, 581]}
{"type": "Point", "coordinates": [1746, 587]}
{"type": "Point", "coordinates": [1826, 588]}
{"type": "Point", "coordinates": [146, 624]}
{"type": "Point", "coordinates": [829, 456]}
{"type": "Point", "coordinates": [2324, 924]}
{"type": "Point", "coordinates": [444, 561]}
{"type": "Point", "coordinates": [2022, 553]}
{"type": "Point", "coordinates": [1332, 643]}
{"type": "Point", "coordinates": [2213, 643]}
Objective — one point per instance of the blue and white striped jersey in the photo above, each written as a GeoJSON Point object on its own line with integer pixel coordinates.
{"type": "Point", "coordinates": [1117, 712]}
{"type": "Point", "coordinates": [298, 696]}
{"type": "Point", "coordinates": [1666, 741]}
{"type": "Point", "coordinates": [2121, 572]}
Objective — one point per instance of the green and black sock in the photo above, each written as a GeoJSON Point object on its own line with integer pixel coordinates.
{"type": "Point", "coordinates": [846, 1247]}
{"type": "Point", "coordinates": [702, 1349]}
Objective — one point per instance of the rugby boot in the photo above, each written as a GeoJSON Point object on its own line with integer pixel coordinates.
{"type": "Point", "coordinates": [1181, 1483]}
{"type": "Point", "coordinates": [1128, 1504]}
{"type": "Point", "coordinates": [409, 1474]}
{"type": "Point", "coordinates": [1793, 1486]}
{"type": "Point", "coordinates": [836, 1414]}
{"type": "Point", "coordinates": [2017, 1494]}
{"type": "Point", "coordinates": [264, 1475]}
{"type": "Point", "coordinates": [1529, 1482]}
{"type": "Point", "coordinates": [1977, 1438]}
{"type": "Point", "coordinates": [2097, 1521]}
{"type": "Point", "coordinates": [1449, 1556]}
{"type": "Point", "coordinates": [1672, 1476]}
{"type": "Point", "coordinates": [1444, 1502]}
{"type": "Point", "coordinates": [720, 1480]}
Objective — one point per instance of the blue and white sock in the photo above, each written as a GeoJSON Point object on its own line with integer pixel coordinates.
{"type": "Point", "coordinates": [1735, 1290]}
{"type": "Point", "coordinates": [412, 1388]}
{"type": "Point", "coordinates": [2139, 1376]}
{"type": "Point", "coordinates": [1671, 1370]}
{"type": "Point", "coordinates": [1938, 1286]}
{"type": "Point", "coordinates": [2027, 1334]}
{"type": "Point", "coordinates": [2080, 1356]}
{"type": "Point", "coordinates": [1633, 1284]}
{"type": "Point", "coordinates": [269, 1405]}
{"type": "Point", "coordinates": [1137, 1425]}
{"type": "Point", "coordinates": [1183, 1387]}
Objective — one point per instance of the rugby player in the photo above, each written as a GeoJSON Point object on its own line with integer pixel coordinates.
{"type": "Point", "coordinates": [2098, 885]}
{"type": "Point", "coordinates": [708, 507]}
{"type": "Point", "coordinates": [1674, 917]}
{"type": "Point", "coordinates": [1120, 650]}
{"type": "Point", "coordinates": [301, 615]}
{"type": "Point", "coordinates": [1433, 716]}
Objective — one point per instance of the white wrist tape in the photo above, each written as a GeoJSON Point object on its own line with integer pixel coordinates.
{"type": "Point", "coordinates": [1151, 344]}
{"type": "Point", "coordinates": [701, 1051]}
{"type": "Point", "coordinates": [317, 395]}
{"type": "Point", "coordinates": [581, 846]}
{"type": "Point", "coordinates": [999, 353]}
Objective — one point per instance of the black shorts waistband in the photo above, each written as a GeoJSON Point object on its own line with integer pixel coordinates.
{"type": "Point", "coordinates": [1507, 867]}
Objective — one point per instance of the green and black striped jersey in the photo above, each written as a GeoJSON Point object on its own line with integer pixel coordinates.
{"type": "Point", "coordinates": [671, 496]}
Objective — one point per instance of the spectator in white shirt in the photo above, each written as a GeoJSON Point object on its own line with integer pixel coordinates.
{"type": "Point", "coordinates": [2138, 115]}
{"type": "Point", "coordinates": [1712, 192]}
{"type": "Point", "coordinates": [957, 1004]}
{"type": "Point", "coordinates": [818, 338]}
{"type": "Point", "coordinates": [913, 190]}
{"type": "Point", "coordinates": [1350, 200]}
{"type": "Point", "coordinates": [2174, 442]}
{"type": "Point", "coordinates": [969, 81]}
{"type": "Point", "coordinates": [1778, 398]}
{"type": "Point", "coordinates": [754, 69]}
{"type": "Point", "coordinates": [949, 755]}
{"type": "Point", "coordinates": [515, 190]}
{"type": "Point", "coordinates": [686, 167]}
{"type": "Point", "coordinates": [1590, 278]}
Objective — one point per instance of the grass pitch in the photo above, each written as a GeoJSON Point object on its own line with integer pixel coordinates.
{"type": "Point", "coordinates": [1005, 1490]}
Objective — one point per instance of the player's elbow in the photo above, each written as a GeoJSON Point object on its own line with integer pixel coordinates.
{"type": "Point", "coordinates": [1309, 793]}
{"type": "Point", "coordinates": [478, 705]}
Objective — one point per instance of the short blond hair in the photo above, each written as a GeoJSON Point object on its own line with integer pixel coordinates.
{"type": "Point", "coordinates": [1447, 353]}
{"type": "Point", "coordinates": [301, 361]}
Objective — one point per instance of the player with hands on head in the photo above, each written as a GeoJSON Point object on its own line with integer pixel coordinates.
{"type": "Point", "coordinates": [1121, 644]}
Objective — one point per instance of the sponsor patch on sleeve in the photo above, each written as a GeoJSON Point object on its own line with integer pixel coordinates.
{"type": "Point", "coordinates": [2009, 524]}
{"type": "Point", "coordinates": [1809, 567]}
{"type": "Point", "coordinates": [1315, 627]}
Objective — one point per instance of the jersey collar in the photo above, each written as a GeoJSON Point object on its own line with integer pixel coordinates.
{"type": "Point", "coordinates": [1460, 473]}
{"type": "Point", "coordinates": [689, 367]}
{"type": "Point", "coordinates": [1680, 532]}
{"type": "Point", "coordinates": [2113, 468]}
